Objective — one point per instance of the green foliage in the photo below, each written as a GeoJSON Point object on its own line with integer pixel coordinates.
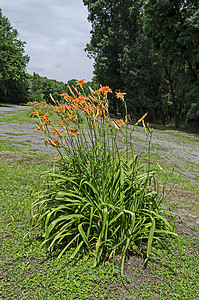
{"type": "Point", "coordinates": [118, 214]}
{"type": "Point", "coordinates": [13, 63]}
{"type": "Point", "coordinates": [150, 50]}
{"type": "Point", "coordinates": [173, 28]}
{"type": "Point", "coordinates": [33, 274]}
{"type": "Point", "coordinates": [40, 88]}
{"type": "Point", "coordinates": [116, 29]}
{"type": "Point", "coordinates": [193, 114]}
{"type": "Point", "coordinates": [99, 198]}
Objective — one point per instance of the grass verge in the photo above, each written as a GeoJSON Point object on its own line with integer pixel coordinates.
{"type": "Point", "coordinates": [27, 273]}
{"type": "Point", "coordinates": [22, 116]}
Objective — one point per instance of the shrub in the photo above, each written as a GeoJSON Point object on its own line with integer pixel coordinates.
{"type": "Point", "coordinates": [99, 198]}
{"type": "Point", "coordinates": [193, 114]}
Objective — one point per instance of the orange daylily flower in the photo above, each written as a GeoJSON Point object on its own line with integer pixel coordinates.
{"type": "Point", "coordinates": [120, 122]}
{"type": "Point", "coordinates": [39, 127]}
{"type": "Point", "coordinates": [105, 89]}
{"type": "Point", "coordinates": [72, 118]}
{"type": "Point", "coordinates": [80, 82]}
{"type": "Point", "coordinates": [58, 109]}
{"type": "Point", "coordinates": [81, 99]}
{"type": "Point", "coordinates": [50, 142]}
{"type": "Point", "coordinates": [64, 95]}
{"type": "Point", "coordinates": [76, 100]}
{"type": "Point", "coordinates": [49, 122]}
{"type": "Point", "coordinates": [97, 92]}
{"type": "Point", "coordinates": [57, 131]}
{"type": "Point", "coordinates": [73, 131]}
{"type": "Point", "coordinates": [45, 117]}
{"type": "Point", "coordinates": [120, 95]}
{"type": "Point", "coordinates": [88, 108]}
{"type": "Point", "coordinates": [36, 112]}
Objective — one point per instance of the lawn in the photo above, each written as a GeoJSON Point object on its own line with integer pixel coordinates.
{"type": "Point", "coordinates": [30, 273]}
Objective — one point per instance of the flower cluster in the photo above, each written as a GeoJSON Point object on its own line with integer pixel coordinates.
{"type": "Point", "coordinates": [95, 106]}
{"type": "Point", "coordinates": [71, 109]}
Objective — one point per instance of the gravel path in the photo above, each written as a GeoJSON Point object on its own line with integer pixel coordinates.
{"type": "Point", "coordinates": [22, 133]}
{"type": "Point", "coordinates": [177, 148]}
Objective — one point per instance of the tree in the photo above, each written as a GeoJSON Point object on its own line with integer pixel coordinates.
{"type": "Point", "coordinates": [173, 27]}
{"type": "Point", "coordinates": [124, 57]}
{"type": "Point", "coordinates": [13, 62]}
{"type": "Point", "coordinates": [150, 50]}
{"type": "Point", "coordinates": [104, 46]}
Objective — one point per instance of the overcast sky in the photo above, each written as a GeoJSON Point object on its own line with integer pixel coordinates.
{"type": "Point", "coordinates": [56, 33]}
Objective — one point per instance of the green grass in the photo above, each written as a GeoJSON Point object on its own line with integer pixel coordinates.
{"type": "Point", "coordinates": [5, 113]}
{"type": "Point", "coordinates": [179, 177]}
{"type": "Point", "coordinates": [7, 146]}
{"type": "Point", "coordinates": [10, 146]}
{"type": "Point", "coordinates": [21, 116]}
{"type": "Point", "coordinates": [187, 128]}
{"type": "Point", "coordinates": [7, 104]}
{"type": "Point", "coordinates": [27, 273]}
{"type": "Point", "coordinates": [18, 117]}
{"type": "Point", "coordinates": [170, 278]}
{"type": "Point", "coordinates": [14, 134]}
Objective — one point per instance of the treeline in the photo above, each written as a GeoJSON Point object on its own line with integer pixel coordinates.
{"type": "Point", "coordinates": [150, 50]}
{"type": "Point", "coordinates": [40, 88]}
{"type": "Point", "coordinates": [13, 61]}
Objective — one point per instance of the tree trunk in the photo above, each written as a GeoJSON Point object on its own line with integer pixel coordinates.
{"type": "Point", "coordinates": [173, 96]}
{"type": "Point", "coordinates": [176, 116]}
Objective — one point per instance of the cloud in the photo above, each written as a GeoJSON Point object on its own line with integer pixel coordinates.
{"type": "Point", "coordinates": [56, 33]}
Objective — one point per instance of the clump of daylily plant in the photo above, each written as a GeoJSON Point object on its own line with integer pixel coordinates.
{"type": "Point", "coordinates": [99, 199]}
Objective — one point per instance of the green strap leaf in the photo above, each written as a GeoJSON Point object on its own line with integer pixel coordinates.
{"type": "Point", "coordinates": [83, 235]}
{"type": "Point", "coordinates": [150, 238]}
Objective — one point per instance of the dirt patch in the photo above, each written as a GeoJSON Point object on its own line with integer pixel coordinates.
{"type": "Point", "coordinates": [187, 223]}
{"type": "Point", "coordinates": [185, 204]}
{"type": "Point", "coordinates": [10, 158]}
{"type": "Point", "coordinates": [136, 275]}
{"type": "Point", "coordinates": [183, 133]}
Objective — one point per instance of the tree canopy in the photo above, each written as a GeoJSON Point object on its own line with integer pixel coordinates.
{"type": "Point", "coordinates": [13, 62]}
{"type": "Point", "coordinates": [40, 88]}
{"type": "Point", "coordinates": [150, 50]}
{"type": "Point", "coordinates": [173, 26]}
